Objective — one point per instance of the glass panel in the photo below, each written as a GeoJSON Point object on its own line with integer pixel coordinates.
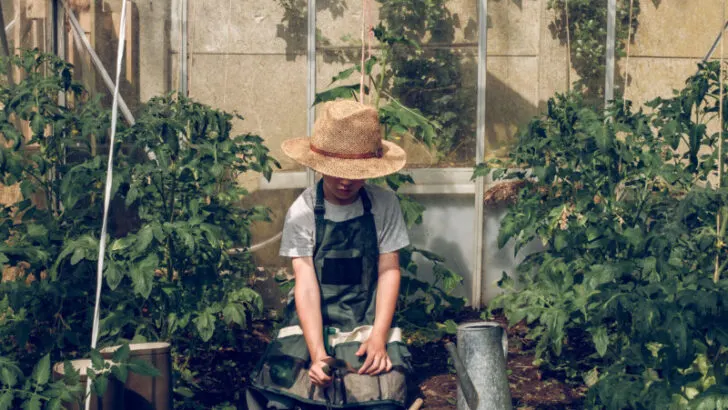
{"type": "Point", "coordinates": [513, 65]}
{"type": "Point", "coordinates": [436, 73]}
{"type": "Point", "coordinates": [250, 57]}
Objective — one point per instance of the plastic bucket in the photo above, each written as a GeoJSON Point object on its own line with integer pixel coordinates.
{"type": "Point", "coordinates": [112, 399]}
{"type": "Point", "coordinates": [146, 392]}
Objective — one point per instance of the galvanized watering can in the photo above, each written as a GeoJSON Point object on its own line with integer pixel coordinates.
{"type": "Point", "coordinates": [480, 363]}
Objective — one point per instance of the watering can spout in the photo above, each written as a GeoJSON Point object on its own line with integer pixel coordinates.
{"type": "Point", "coordinates": [466, 384]}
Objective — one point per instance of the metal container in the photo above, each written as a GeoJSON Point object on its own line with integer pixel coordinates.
{"type": "Point", "coordinates": [146, 392]}
{"type": "Point", "coordinates": [482, 348]}
{"type": "Point", "coordinates": [112, 399]}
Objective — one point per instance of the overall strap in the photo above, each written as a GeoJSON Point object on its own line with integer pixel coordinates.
{"type": "Point", "coordinates": [319, 211]}
{"type": "Point", "coordinates": [366, 203]}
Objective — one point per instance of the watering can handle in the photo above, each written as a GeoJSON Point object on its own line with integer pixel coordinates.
{"type": "Point", "coordinates": [466, 385]}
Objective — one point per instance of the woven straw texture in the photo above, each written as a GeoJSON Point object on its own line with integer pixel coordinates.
{"type": "Point", "coordinates": [347, 128]}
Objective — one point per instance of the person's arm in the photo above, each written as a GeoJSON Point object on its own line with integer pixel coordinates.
{"type": "Point", "coordinates": [308, 306]}
{"type": "Point", "coordinates": [375, 347]}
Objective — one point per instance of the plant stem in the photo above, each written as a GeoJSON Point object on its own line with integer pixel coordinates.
{"type": "Point", "coordinates": [380, 82]}
{"type": "Point", "coordinates": [26, 393]}
{"type": "Point", "coordinates": [718, 220]}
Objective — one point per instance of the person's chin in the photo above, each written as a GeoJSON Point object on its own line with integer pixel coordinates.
{"type": "Point", "coordinates": [345, 196]}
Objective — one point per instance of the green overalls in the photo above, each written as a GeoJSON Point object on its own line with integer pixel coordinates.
{"type": "Point", "coordinates": [346, 257]}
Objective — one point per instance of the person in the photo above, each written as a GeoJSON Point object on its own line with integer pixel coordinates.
{"type": "Point", "coordinates": [339, 346]}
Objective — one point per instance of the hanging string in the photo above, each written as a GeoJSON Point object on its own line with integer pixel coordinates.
{"type": "Point", "coordinates": [227, 54]}
{"type": "Point", "coordinates": [107, 192]}
{"type": "Point", "coordinates": [363, 48]}
{"type": "Point", "coordinates": [721, 136]}
{"type": "Point", "coordinates": [568, 46]}
{"type": "Point", "coordinates": [189, 37]}
{"type": "Point", "coordinates": [361, 64]}
{"type": "Point", "coordinates": [370, 40]}
{"type": "Point", "coordinates": [626, 61]}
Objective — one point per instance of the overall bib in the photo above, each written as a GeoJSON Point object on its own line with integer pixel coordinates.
{"type": "Point", "coordinates": [345, 258]}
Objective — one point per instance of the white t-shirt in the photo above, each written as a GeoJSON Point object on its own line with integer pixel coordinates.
{"type": "Point", "coordinates": [299, 237]}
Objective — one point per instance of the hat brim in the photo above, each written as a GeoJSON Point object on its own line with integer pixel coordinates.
{"type": "Point", "coordinates": [392, 160]}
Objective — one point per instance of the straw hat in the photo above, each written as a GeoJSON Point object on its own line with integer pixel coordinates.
{"type": "Point", "coordinates": [347, 143]}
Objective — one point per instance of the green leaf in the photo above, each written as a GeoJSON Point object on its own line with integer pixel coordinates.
{"type": "Point", "coordinates": [78, 255]}
{"type": "Point", "coordinates": [182, 391]}
{"type": "Point", "coordinates": [6, 400]}
{"type": "Point", "coordinates": [345, 91]}
{"type": "Point", "coordinates": [42, 370]}
{"type": "Point", "coordinates": [131, 196]}
{"type": "Point", "coordinates": [234, 313]}
{"type": "Point", "coordinates": [33, 403]}
{"type": "Point", "coordinates": [343, 75]}
{"type": "Point", "coordinates": [122, 243]}
{"type": "Point", "coordinates": [143, 239]}
{"type": "Point", "coordinates": [601, 340]}
{"type": "Point", "coordinates": [120, 372]}
{"type": "Point", "coordinates": [561, 241]}
{"type": "Point", "coordinates": [113, 274]}
{"type": "Point", "coordinates": [205, 323]}
{"type": "Point", "coordinates": [101, 384]}
{"type": "Point", "coordinates": [54, 404]}
{"type": "Point", "coordinates": [142, 275]}
{"type": "Point", "coordinates": [37, 231]}
{"type": "Point", "coordinates": [97, 361]}
{"type": "Point", "coordinates": [591, 377]}
{"type": "Point", "coordinates": [451, 327]}
{"type": "Point", "coordinates": [8, 377]}
{"type": "Point", "coordinates": [143, 368]}
{"type": "Point", "coordinates": [411, 210]}
{"type": "Point", "coordinates": [70, 374]}
{"type": "Point", "coordinates": [248, 296]}
{"type": "Point", "coordinates": [633, 235]}
{"type": "Point", "coordinates": [121, 354]}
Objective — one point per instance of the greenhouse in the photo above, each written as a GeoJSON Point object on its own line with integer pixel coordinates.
{"type": "Point", "coordinates": [363, 204]}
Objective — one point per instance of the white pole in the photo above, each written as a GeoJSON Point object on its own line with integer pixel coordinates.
{"type": "Point", "coordinates": [183, 52]}
{"type": "Point", "coordinates": [107, 193]}
{"type": "Point", "coordinates": [311, 76]}
{"type": "Point", "coordinates": [478, 271]}
{"type": "Point", "coordinates": [611, 41]}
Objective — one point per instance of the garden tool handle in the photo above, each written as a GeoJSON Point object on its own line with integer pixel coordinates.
{"type": "Point", "coordinates": [331, 364]}
{"type": "Point", "coordinates": [466, 384]}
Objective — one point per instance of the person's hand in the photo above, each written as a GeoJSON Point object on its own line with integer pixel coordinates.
{"type": "Point", "coordinates": [377, 360]}
{"type": "Point", "coordinates": [317, 374]}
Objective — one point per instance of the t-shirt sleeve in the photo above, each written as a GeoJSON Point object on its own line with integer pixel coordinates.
{"type": "Point", "coordinates": [393, 234]}
{"type": "Point", "coordinates": [298, 230]}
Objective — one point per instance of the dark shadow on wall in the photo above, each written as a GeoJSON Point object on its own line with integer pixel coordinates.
{"type": "Point", "coordinates": [506, 110]}
{"type": "Point", "coordinates": [455, 260]}
{"type": "Point", "coordinates": [104, 38]}
{"type": "Point", "coordinates": [106, 47]}
{"type": "Point", "coordinates": [293, 28]}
